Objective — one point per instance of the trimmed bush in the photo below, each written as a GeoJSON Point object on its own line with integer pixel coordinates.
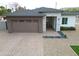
{"type": "Point", "coordinates": [67, 28]}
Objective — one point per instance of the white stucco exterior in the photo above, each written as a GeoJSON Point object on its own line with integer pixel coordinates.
{"type": "Point", "coordinates": [77, 20]}
{"type": "Point", "coordinates": [71, 21]}
{"type": "Point", "coordinates": [58, 21]}
{"type": "Point", "coordinates": [44, 24]}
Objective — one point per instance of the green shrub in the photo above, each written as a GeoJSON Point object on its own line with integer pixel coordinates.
{"type": "Point", "coordinates": [67, 28]}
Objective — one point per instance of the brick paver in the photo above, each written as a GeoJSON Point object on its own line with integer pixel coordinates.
{"type": "Point", "coordinates": [33, 44]}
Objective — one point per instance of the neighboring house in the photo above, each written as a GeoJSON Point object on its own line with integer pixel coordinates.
{"type": "Point", "coordinates": [40, 20]}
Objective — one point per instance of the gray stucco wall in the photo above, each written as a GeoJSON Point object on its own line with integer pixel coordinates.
{"type": "Point", "coordinates": [2, 25]}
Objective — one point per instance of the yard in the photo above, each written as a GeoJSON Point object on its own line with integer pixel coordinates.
{"type": "Point", "coordinates": [33, 44]}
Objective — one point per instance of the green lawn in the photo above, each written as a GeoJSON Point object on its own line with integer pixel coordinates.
{"type": "Point", "coordinates": [75, 48]}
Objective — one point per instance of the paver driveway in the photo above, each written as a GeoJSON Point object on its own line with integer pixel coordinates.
{"type": "Point", "coordinates": [32, 44]}
{"type": "Point", "coordinates": [23, 44]}
{"type": "Point", "coordinates": [61, 47]}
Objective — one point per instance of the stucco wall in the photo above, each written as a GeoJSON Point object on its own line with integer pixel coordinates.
{"type": "Point", "coordinates": [77, 20]}
{"type": "Point", "coordinates": [71, 21]}
{"type": "Point", "coordinates": [2, 25]}
{"type": "Point", "coordinates": [44, 24]}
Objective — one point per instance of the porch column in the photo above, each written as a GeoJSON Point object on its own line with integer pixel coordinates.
{"type": "Point", "coordinates": [58, 22]}
{"type": "Point", "coordinates": [44, 24]}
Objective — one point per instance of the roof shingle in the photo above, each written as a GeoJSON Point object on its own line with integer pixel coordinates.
{"type": "Point", "coordinates": [34, 12]}
{"type": "Point", "coordinates": [40, 12]}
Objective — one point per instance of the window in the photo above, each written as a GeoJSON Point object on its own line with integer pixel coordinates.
{"type": "Point", "coordinates": [35, 20]}
{"type": "Point", "coordinates": [21, 20]}
{"type": "Point", "coordinates": [14, 20]}
{"type": "Point", "coordinates": [64, 20]}
{"type": "Point", "coordinates": [28, 20]}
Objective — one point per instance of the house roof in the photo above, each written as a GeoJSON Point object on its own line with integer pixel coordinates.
{"type": "Point", "coordinates": [46, 10]}
{"type": "Point", "coordinates": [24, 13]}
{"type": "Point", "coordinates": [40, 11]}
{"type": "Point", "coordinates": [70, 13]}
{"type": "Point", "coordinates": [34, 12]}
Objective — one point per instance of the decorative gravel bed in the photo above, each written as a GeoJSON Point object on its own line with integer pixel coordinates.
{"type": "Point", "coordinates": [51, 36]}
{"type": "Point", "coordinates": [62, 34]}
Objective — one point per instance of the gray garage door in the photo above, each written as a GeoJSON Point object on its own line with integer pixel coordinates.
{"type": "Point", "coordinates": [25, 25]}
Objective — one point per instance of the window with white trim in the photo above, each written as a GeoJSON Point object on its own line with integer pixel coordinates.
{"type": "Point", "coordinates": [64, 20]}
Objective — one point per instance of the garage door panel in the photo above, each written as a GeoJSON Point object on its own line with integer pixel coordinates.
{"type": "Point", "coordinates": [25, 26]}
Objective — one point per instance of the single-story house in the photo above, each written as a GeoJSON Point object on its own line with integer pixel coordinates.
{"type": "Point", "coordinates": [40, 20]}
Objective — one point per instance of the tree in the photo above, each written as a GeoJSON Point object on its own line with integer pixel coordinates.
{"type": "Point", "coordinates": [8, 10]}
{"type": "Point", "coordinates": [4, 10]}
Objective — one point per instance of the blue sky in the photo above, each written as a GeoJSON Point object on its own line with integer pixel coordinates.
{"type": "Point", "coordinates": [31, 4]}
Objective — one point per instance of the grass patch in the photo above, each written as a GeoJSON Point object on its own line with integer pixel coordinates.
{"type": "Point", "coordinates": [76, 49]}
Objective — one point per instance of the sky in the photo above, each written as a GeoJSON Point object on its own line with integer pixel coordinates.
{"type": "Point", "coordinates": [31, 4]}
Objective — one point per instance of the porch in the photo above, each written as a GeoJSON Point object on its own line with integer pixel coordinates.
{"type": "Point", "coordinates": [51, 22]}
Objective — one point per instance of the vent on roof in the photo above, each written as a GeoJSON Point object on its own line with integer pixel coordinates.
{"type": "Point", "coordinates": [40, 12]}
